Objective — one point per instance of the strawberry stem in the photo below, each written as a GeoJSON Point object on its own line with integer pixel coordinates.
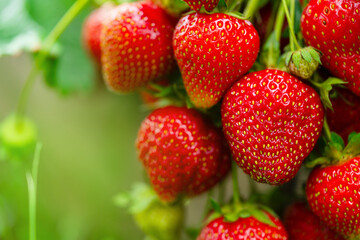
{"type": "Point", "coordinates": [251, 8]}
{"type": "Point", "coordinates": [326, 130]}
{"type": "Point", "coordinates": [47, 45]}
{"type": "Point", "coordinates": [291, 26]}
{"type": "Point", "coordinates": [222, 193]}
{"type": "Point", "coordinates": [236, 191]}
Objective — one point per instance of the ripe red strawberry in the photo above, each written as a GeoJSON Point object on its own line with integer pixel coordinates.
{"type": "Point", "coordinates": [136, 45]}
{"type": "Point", "coordinates": [271, 121]}
{"type": "Point", "coordinates": [92, 30]}
{"type": "Point", "coordinates": [212, 52]}
{"type": "Point", "coordinates": [196, 5]}
{"type": "Point", "coordinates": [333, 28]}
{"type": "Point", "coordinates": [244, 228]}
{"type": "Point", "coordinates": [302, 224]}
{"type": "Point", "coordinates": [333, 195]}
{"type": "Point", "coordinates": [346, 115]}
{"type": "Point", "coordinates": [182, 153]}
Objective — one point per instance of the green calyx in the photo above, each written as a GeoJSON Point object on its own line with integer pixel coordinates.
{"type": "Point", "coordinates": [324, 89]}
{"type": "Point", "coordinates": [157, 220]}
{"type": "Point", "coordinates": [303, 63]}
{"type": "Point", "coordinates": [235, 211]}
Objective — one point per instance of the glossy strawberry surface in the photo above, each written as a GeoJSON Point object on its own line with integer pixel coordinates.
{"type": "Point", "coordinates": [213, 51]}
{"type": "Point", "coordinates": [244, 228]}
{"type": "Point", "coordinates": [136, 44]}
{"type": "Point", "coordinates": [92, 28]}
{"type": "Point", "coordinates": [301, 223]}
{"type": "Point", "coordinates": [333, 28]}
{"type": "Point", "coordinates": [333, 195]}
{"type": "Point", "coordinates": [208, 5]}
{"type": "Point", "coordinates": [271, 121]}
{"type": "Point", "coordinates": [182, 153]}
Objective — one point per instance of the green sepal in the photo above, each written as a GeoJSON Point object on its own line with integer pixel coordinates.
{"type": "Point", "coordinates": [317, 161]}
{"type": "Point", "coordinates": [325, 88]}
{"type": "Point", "coordinates": [352, 149]}
{"type": "Point", "coordinates": [351, 135]}
{"type": "Point", "coordinates": [306, 55]}
{"type": "Point", "coordinates": [215, 205]}
{"type": "Point", "coordinates": [315, 54]}
{"type": "Point", "coordinates": [288, 58]}
{"type": "Point", "coordinates": [237, 15]}
{"type": "Point", "coordinates": [262, 217]}
{"type": "Point", "coordinates": [296, 58]}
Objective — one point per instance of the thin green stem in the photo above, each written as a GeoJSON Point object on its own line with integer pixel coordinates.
{"type": "Point", "coordinates": [327, 131]}
{"type": "Point", "coordinates": [236, 191]}
{"type": "Point", "coordinates": [32, 189]}
{"type": "Point", "coordinates": [222, 193]}
{"type": "Point", "coordinates": [292, 16]}
{"type": "Point", "coordinates": [291, 25]}
{"type": "Point", "coordinates": [279, 22]}
{"type": "Point", "coordinates": [251, 8]}
{"type": "Point", "coordinates": [49, 41]}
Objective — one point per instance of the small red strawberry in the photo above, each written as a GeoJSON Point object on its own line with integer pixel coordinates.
{"type": "Point", "coordinates": [213, 51]}
{"type": "Point", "coordinates": [271, 121]}
{"type": "Point", "coordinates": [346, 115]}
{"type": "Point", "coordinates": [302, 224]}
{"type": "Point", "coordinates": [333, 28]}
{"type": "Point", "coordinates": [196, 5]}
{"type": "Point", "coordinates": [91, 30]}
{"type": "Point", "coordinates": [182, 153]}
{"type": "Point", "coordinates": [246, 227]}
{"type": "Point", "coordinates": [136, 44]}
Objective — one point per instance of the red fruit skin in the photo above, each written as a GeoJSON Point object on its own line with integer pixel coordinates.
{"type": "Point", "coordinates": [213, 51]}
{"type": "Point", "coordinates": [271, 121]}
{"type": "Point", "coordinates": [244, 228]}
{"type": "Point", "coordinates": [345, 118]}
{"type": "Point", "coordinates": [301, 224]}
{"type": "Point", "coordinates": [196, 5]}
{"type": "Point", "coordinates": [182, 153]}
{"type": "Point", "coordinates": [334, 196]}
{"type": "Point", "coordinates": [333, 28]}
{"type": "Point", "coordinates": [136, 44]}
{"type": "Point", "coordinates": [92, 28]}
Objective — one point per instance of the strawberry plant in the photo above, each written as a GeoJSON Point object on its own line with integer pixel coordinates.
{"type": "Point", "coordinates": [227, 119]}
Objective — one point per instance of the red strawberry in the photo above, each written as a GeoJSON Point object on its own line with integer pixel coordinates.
{"type": "Point", "coordinates": [92, 30]}
{"type": "Point", "coordinates": [346, 115]}
{"type": "Point", "coordinates": [136, 45]}
{"type": "Point", "coordinates": [333, 28]}
{"type": "Point", "coordinates": [213, 51]}
{"type": "Point", "coordinates": [334, 196]}
{"type": "Point", "coordinates": [182, 153]}
{"type": "Point", "coordinates": [244, 228]}
{"type": "Point", "coordinates": [271, 121]}
{"type": "Point", "coordinates": [196, 5]}
{"type": "Point", "coordinates": [302, 224]}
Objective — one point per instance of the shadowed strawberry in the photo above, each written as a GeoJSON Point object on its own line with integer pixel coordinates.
{"type": "Point", "coordinates": [333, 28]}
{"type": "Point", "coordinates": [213, 51]}
{"type": "Point", "coordinates": [302, 224]}
{"type": "Point", "coordinates": [136, 44]}
{"type": "Point", "coordinates": [183, 153]}
{"type": "Point", "coordinates": [271, 121]}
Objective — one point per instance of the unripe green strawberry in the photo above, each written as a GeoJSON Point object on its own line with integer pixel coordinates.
{"type": "Point", "coordinates": [303, 63]}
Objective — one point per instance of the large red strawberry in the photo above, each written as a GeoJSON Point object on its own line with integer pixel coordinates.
{"type": "Point", "coordinates": [91, 31]}
{"type": "Point", "coordinates": [333, 194]}
{"type": "Point", "coordinates": [346, 115]}
{"type": "Point", "coordinates": [271, 121]}
{"type": "Point", "coordinates": [247, 227]}
{"type": "Point", "coordinates": [182, 153]}
{"type": "Point", "coordinates": [333, 28]}
{"type": "Point", "coordinates": [213, 51]}
{"type": "Point", "coordinates": [302, 224]}
{"type": "Point", "coordinates": [136, 44]}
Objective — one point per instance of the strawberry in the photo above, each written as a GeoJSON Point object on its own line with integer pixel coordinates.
{"type": "Point", "coordinates": [213, 51]}
{"type": "Point", "coordinates": [247, 227]}
{"type": "Point", "coordinates": [209, 5]}
{"type": "Point", "coordinates": [136, 45]}
{"type": "Point", "coordinates": [346, 115]}
{"type": "Point", "coordinates": [301, 224]}
{"type": "Point", "coordinates": [333, 28]}
{"type": "Point", "coordinates": [182, 153]}
{"type": "Point", "coordinates": [92, 28]}
{"type": "Point", "coordinates": [271, 121]}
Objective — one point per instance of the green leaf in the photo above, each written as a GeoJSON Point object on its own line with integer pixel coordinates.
{"type": "Point", "coordinates": [18, 31]}
{"type": "Point", "coordinates": [315, 54]}
{"type": "Point", "coordinates": [288, 58]}
{"type": "Point", "coordinates": [215, 205]}
{"type": "Point", "coordinates": [231, 217]}
{"type": "Point", "coordinates": [351, 135]}
{"type": "Point", "coordinates": [296, 58]}
{"type": "Point", "coordinates": [261, 216]}
{"type": "Point", "coordinates": [325, 88]}
{"type": "Point", "coordinates": [306, 55]}
{"type": "Point", "coordinates": [353, 147]}
{"type": "Point", "coordinates": [337, 141]}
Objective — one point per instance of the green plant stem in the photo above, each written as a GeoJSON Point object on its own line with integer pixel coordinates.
{"type": "Point", "coordinates": [292, 16]}
{"type": "Point", "coordinates": [47, 45]}
{"type": "Point", "coordinates": [251, 8]}
{"type": "Point", "coordinates": [31, 178]}
{"type": "Point", "coordinates": [279, 22]}
{"type": "Point", "coordinates": [327, 131]}
{"type": "Point", "coordinates": [291, 26]}
{"type": "Point", "coordinates": [236, 191]}
{"type": "Point", "coordinates": [222, 193]}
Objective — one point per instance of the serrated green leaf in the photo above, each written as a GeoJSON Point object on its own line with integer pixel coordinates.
{"type": "Point", "coordinates": [215, 205]}
{"type": "Point", "coordinates": [315, 55]}
{"type": "Point", "coordinates": [296, 58]}
{"type": "Point", "coordinates": [306, 55]}
{"type": "Point", "coordinates": [18, 31]}
{"type": "Point", "coordinates": [288, 58]}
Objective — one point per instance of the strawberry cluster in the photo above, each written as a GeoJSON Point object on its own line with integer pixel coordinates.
{"type": "Point", "coordinates": [221, 98]}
